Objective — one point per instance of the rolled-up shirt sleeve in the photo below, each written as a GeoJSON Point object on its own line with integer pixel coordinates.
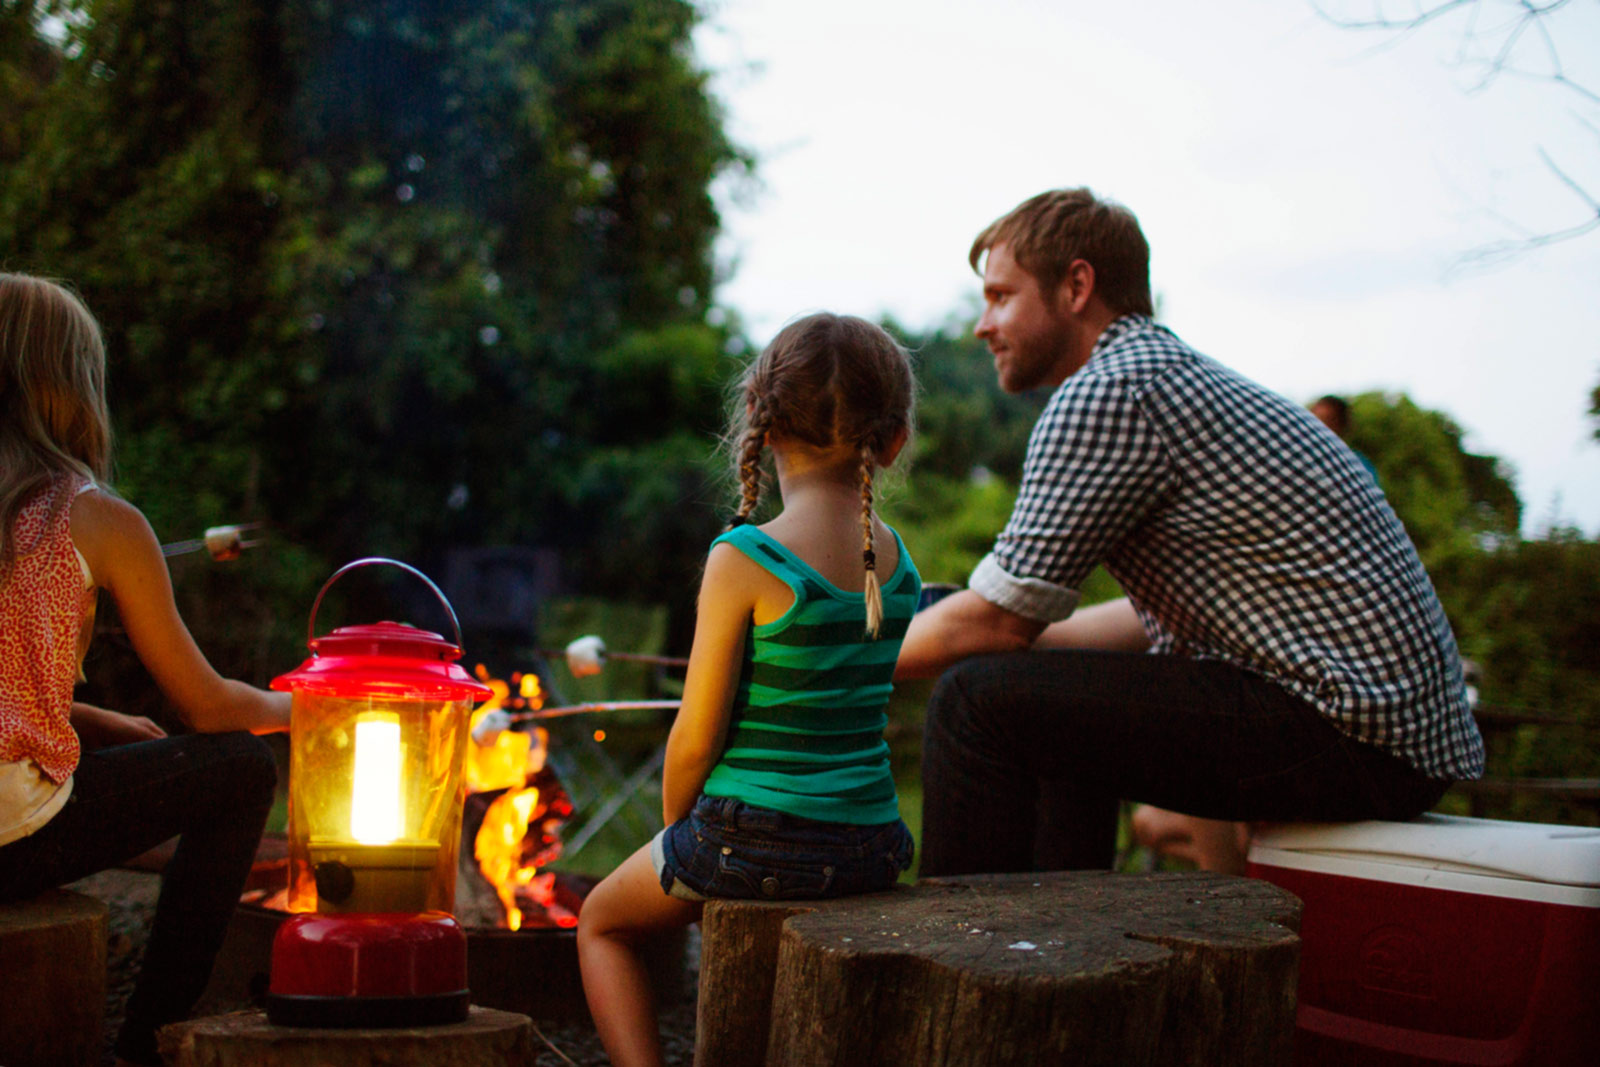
{"type": "Point", "coordinates": [1094, 468]}
{"type": "Point", "coordinates": [1032, 598]}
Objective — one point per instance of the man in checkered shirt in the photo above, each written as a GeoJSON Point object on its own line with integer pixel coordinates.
{"type": "Point", "coordinates": [1281, 653]}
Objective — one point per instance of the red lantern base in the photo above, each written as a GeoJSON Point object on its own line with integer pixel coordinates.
{"type": "Point", "coordinates": [373, 970]}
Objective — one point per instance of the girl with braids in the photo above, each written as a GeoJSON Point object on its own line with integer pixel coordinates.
{"type": "Point", "coordinates": [83, 788]}
{"type": "Point", "coordinates": [777, 783]}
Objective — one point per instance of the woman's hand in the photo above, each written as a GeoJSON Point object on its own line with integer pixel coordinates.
{"type": "Point", "coordinates": [100, 728]}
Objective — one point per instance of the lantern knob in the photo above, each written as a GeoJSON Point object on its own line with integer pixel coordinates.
{"type": "Point", "coordinates": [335, 881]}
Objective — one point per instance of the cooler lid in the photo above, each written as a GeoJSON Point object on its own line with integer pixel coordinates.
{"type": "Point", "coordinates": [1534, 852]}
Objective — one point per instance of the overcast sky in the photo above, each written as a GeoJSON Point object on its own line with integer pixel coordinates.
{"type": "Point", "coordinates": [1309, 196]}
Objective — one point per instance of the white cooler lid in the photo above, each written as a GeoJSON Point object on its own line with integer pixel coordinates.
{"type": "Point", "coordinates": [1532, 852]}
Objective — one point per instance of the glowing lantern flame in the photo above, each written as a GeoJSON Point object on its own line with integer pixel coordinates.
{"type": "Point", "coordinates": [377, 802]}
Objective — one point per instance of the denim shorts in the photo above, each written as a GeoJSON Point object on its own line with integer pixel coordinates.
{"type": "Point", "coordinates": [729, 849]}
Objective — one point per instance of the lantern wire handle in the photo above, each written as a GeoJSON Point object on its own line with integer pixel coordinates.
{"type": "Point", "coordinates": [311, 629]}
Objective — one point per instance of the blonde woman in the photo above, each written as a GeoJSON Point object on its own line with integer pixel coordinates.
{"type": "Point", "coordinates": [83, 788]}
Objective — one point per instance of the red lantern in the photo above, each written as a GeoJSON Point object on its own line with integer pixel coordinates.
{"type": "Point", "coordinates": [377, 746]}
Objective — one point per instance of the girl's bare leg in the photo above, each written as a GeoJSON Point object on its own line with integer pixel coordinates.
{"type": "Point", "coordinates": [628, 906]}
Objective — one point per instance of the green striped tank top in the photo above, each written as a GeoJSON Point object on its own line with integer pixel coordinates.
{"type": "Point", "coordinates": [806, 734]}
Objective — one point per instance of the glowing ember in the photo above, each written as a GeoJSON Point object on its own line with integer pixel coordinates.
{"type": "Point", "coordinates": [518, 833]}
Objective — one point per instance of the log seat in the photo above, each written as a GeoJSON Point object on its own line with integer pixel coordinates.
{"type": "Point", "coordinates": [487, 1038]}
{"type": "Point", "coordinates": [1088, 967]}
{"type": "Point", "coordinates": [52, 980]}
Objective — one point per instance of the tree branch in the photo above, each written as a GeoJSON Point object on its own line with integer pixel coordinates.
{"type": "Point", "coordinates": [1381, 22]}
{"type": "Point", "coordinates": [1501, 38]}
{"type": "Point", "coordinates": [1490, 43]}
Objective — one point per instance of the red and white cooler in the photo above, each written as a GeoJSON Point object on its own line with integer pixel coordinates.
{"type": "Point", "coordinates": [1445, 940]}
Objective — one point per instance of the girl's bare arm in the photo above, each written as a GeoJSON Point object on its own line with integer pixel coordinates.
{"type": "Point", "coordinates": [125, 559]}
{"type": "Point", "coordinates": [727, 600]}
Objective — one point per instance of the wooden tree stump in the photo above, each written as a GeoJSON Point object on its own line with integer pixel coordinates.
{"type": "Point", "coordinates": [488, 1038]}
{"type": "Point", "coordinates": [1083, 967]}
{"type": "Point", "coordinates": [52, 980]}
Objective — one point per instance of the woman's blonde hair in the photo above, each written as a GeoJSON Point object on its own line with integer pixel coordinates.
{"type": "Point", "coordinates": [53, 416]}
{"type": "Point", "coordinates": [825, 380]}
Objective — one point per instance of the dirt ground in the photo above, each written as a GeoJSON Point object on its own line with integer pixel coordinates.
{"type": "Point", "coordinates": [131, 897]}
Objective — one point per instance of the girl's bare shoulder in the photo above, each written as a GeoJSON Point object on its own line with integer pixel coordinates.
{"type": "Point", "coordinates": [728, 563]}
{"type": "Point", "coordinates": [106, 527]}
{"type": "Point", "coordinates": [99, 511]}
{"type": "Point", "coordinates": [745, 585]}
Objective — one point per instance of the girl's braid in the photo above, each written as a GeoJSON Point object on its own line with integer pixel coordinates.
{"type": "Point", "coordinates": [750, 449]}
{"type": "Point", "coordinates": [870, 589]}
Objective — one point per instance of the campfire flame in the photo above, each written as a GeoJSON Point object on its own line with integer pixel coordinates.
{"type": "Point", "coordinates": [518, 834]}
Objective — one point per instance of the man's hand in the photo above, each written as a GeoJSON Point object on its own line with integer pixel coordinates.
{"type": "Point", "coordinates": [100, 728]}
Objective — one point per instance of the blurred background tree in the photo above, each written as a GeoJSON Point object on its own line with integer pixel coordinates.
{"type": "Point", "coordinates": [1454, 503]}
{"type": "Point", "coordinates": [393, 276]}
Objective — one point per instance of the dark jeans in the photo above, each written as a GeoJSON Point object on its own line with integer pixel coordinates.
{"type": "Point", "coordinates": [728, 849]}
{"type": "Point", "coordinates": [1026, 757]}
{"type": "Point", "coordinates": [214, 792]}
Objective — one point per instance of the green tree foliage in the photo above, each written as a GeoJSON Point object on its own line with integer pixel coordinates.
{"type": "Point", "coordinates": [392, 275]}
{"type": "Point", "coordinates": [964, 419]}
{"type": "Point", "coordinates": [1527, 611]}
{"type": "Point", "coordinates": [965, 458]}
{"type": "Point", "coordinates": [1454, 503]}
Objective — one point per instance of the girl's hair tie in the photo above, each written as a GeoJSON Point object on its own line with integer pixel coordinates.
{"type": "Point", "coordinates": [737, 520]}
{"type": "Point", "coordinates": [870, 558]}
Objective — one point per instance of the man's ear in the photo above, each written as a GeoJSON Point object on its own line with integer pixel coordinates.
{"type": "Point", "coordinates": [1077, 286]}
{"type": "Point", "coordinates": [886, 455]}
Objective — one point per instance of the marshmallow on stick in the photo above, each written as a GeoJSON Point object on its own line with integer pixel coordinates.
{"type": "Point", "coordinates": [585, 656]}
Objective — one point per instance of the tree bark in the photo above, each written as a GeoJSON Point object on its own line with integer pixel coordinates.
{"type": "Point", "coordinates": [993, 970]}
{"type": "Point", "coordinates": [52, 980]}
{"type": "Point", "coordinates": [488, 1038]}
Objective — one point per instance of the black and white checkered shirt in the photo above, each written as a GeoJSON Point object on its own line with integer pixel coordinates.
{"type": "Point", "coordinates": [1242, 530]}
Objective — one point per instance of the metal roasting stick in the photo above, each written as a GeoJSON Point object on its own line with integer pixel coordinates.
{"type": "Point", "coordinates": [594, 708]}
{"type": "Point", "coordinates": [630, 657]}
{"type": "Point", "coordinates": [222, 542]}
{"type": "Point", "coordinates": [644, 657]}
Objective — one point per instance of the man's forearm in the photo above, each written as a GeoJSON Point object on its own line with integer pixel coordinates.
{"type": "Point", "coordinates": [1112, 626]}
{"type": "Point", "coordinates": [961, 625]}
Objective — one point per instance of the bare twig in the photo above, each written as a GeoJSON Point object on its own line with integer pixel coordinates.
{"type": "Point", "coordinates": [1477, 38]}
{"type": "Point", "coordinates": [1500, 251]}
{"type": "Point", "coordinates": [1491, 44]}
{"type": "Point", "coordinates": [1566, 180]}
{"type": "Point", "coordinates": [1382, 22]}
